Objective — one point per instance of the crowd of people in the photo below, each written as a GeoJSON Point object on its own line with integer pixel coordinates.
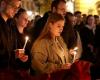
{"type": "Point", "coordinates": [57, 41]}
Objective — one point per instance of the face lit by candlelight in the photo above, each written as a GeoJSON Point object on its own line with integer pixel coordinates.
{"type": "Point", "coordinates": [56, 28]}
{"type": "Point", "coordinates": [22, 20]}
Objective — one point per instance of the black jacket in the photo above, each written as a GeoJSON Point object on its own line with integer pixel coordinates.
{"type": "Point", "coordinates": [6, 44]}
{"type": "Point", "coordinates": [19, 40]}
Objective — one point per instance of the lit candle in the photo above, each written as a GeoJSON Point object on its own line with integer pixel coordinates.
{"type": "Point", "coordinates": [26, 39]}
{"type": "Point", "coordinates": [75, 52]}
{"type": "Point", "coordinates": [76, 48]}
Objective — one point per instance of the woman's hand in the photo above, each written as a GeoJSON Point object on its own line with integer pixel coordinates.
{"type": "Point", "coordinates": [66, 66]}
{"type": "Point", "coordinates": [24, 58]}
{"type": "Point", "coordinates": [19, 53]}
{"type": "Point", "coordinates": [72, 51]}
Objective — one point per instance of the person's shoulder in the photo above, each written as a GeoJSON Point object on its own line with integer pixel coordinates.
{"type": "Point", "coordinates": [40, 45]}
{"type": "Point", "coordinates": [11, 20]}
{"type": "Point", "coordinates": [11, 23]}
{"type": "Point", "coordinates": [41, 42]}
{"type": "Point", "coordinates": [39, 20]}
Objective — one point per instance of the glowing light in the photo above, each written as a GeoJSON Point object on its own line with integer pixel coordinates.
{"type": "Point", "coordinates": [29, 13]}
{"type": "Point", "coordinates": [75, 52]}
{"type": "Point", "coordinates": [26, 39]}
{"type": "Point", "coordinates": [88, 6]}
{"type": "Point", "coordinates": [70, 6]}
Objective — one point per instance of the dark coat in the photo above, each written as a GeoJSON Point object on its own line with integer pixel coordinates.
{"type": "Point", "coordinates": [97, 43]}
{"type": "Point", "coordinates": [87, 38]}
{"type": "Point", "coordinates": [6, 44]}
{"type": "Point", "coordinates": [70, 36]}
{"type": "Point", "coordinates": [38, 26]}
{"type": "Point", "coordinates": [19, 41]}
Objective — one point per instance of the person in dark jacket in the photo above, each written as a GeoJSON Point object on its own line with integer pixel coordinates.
{"type": "Point", "coordinates": [87, 37]}
{"type": "Point", "coordinates": [95, 69]}
{"type": "Point", "coordinates": [38, 26]}
{"type": "Point", "coordinates": [71, 36]}
{"type": "Point", "coordinates": [8, 8]}
{"type": "Point", "coordinates": [19, 23]}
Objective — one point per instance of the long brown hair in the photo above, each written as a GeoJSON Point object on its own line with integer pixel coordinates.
{"type": "Point", "coordinates": [54, 17]}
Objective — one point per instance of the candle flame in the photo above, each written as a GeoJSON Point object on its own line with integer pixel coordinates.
{"type": "Point", "coordinates": [27, 38]}
{"type": "Point", "coordinates": [76, 48]}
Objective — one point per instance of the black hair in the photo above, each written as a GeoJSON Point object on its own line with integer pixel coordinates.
{"type": "Point", "coordinates": [77, 12]}
{"type": "Point", "coordinates": [96, 16]}
{"type": "Point", "coordinates": [88, 18]}
{"type": "Point", "coordinates": [55, 3]}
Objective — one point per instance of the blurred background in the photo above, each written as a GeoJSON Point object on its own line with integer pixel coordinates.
{"type": "Point", "coordinates": [35, 7]}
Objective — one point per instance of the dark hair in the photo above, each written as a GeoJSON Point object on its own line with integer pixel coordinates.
{"type": "Point", "coordinates": [67, 16]}
{"type": "Point", "coordinates": [20, 11]}
{"type": "Point", "coordinates": [96, 16]}
{"type": "Point", "coordinates": [55, 3]}
{"type": "Point", "coordinates": [77, 12]}
{"type": "Point", "coordinates": [88, 18]}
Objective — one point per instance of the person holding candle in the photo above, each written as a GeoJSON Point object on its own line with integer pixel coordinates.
{"type": "Point", "coordinates": [22, 52]}
{"type": "Point", "coordinates": [72, 37]}
{"type": "Point", "coordinates": [49, 52]}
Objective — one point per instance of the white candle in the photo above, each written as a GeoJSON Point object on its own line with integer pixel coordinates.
{"type": "Point", "coordinates": [76, 48]}
{"type": "Point", "coordinates": [26, 39]}
{"type": "Point", "coordinates": [75, 52]}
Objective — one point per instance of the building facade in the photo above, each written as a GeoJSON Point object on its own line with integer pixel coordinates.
{"type": "Point", "coordinates": [28, 4]}
{"type": "Point", "coordinates": [87, 6]}
{"type": "Point", "coordinates": [30, 7]}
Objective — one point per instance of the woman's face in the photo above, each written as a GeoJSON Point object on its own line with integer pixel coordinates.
{"type": "Point", "coordinates": [56, 28]}
{"type": "Point", "coordinates": [22, 20]}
